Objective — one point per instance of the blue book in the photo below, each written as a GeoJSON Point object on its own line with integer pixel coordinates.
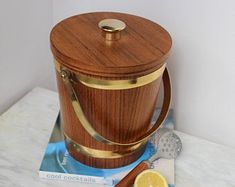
{"type": "Point", "coordinates": [57, 164]}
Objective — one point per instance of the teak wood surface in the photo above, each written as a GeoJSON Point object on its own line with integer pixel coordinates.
{"type": "Point", "coordinates": [119, 115]}
{"type": "Point", "coordinates": [78, 43]}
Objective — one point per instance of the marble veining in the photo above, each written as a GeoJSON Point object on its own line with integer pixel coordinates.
{"type": "Point", "coordinates": [25, 129]}
{"type": "Point", "coordinates": [203, 163]}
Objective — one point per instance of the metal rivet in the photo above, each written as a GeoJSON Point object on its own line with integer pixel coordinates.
{"type": "Point", "coordinates": [63, 74]}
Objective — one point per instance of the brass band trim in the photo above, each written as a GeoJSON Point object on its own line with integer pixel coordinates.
{"type": "Point", "coordinates": [114, 84]}
{"type": "Point", "coordinates": [96, 153]}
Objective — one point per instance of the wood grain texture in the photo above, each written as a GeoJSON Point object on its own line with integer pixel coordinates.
{"type": "Point", "coordinates": [129, 179]}
{"type": "Point", "coordinates": [119, 115]}
{"type": "Point", "coordinates": [77, 42]}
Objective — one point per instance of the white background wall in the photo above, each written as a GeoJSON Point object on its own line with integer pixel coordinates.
{"type": "Point", "coordinates": [25, 58]}
{"type": "Point", "coordinates": [202, 63]}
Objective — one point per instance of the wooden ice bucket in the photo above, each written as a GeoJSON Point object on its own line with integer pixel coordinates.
{"type": "Point", "coordinates": [109, 68]}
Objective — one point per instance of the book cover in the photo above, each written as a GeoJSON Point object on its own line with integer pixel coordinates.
{"type": "Point", "coordinates": [57, 164]}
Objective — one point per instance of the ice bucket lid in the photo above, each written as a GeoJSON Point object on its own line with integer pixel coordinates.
{"type": "Point", "coordinates": [109, 44]}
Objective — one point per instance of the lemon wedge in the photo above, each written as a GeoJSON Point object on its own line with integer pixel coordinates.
{"type": "Point", "coordinates": [150, 178]}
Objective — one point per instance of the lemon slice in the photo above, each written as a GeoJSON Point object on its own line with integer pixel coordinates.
{"type": "Point", "coordinates": [150, 178]}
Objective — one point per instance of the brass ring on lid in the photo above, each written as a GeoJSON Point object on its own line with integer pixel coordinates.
{"type": "Point", "coordinates": [111, 28]}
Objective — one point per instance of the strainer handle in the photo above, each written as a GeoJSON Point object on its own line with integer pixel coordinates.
{"type": "Point", "coordinates": [129, 179]}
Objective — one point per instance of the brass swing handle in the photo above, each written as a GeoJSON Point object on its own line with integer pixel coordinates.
{"type": "Point", "coordinates": [88, 127]}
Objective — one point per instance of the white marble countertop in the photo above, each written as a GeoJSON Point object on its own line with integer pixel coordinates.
{"type": "Point", "coordinates": [24, 133]}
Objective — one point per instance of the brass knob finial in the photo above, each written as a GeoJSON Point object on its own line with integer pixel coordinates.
{"type": "Point", "coordinates": [111, 28]}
